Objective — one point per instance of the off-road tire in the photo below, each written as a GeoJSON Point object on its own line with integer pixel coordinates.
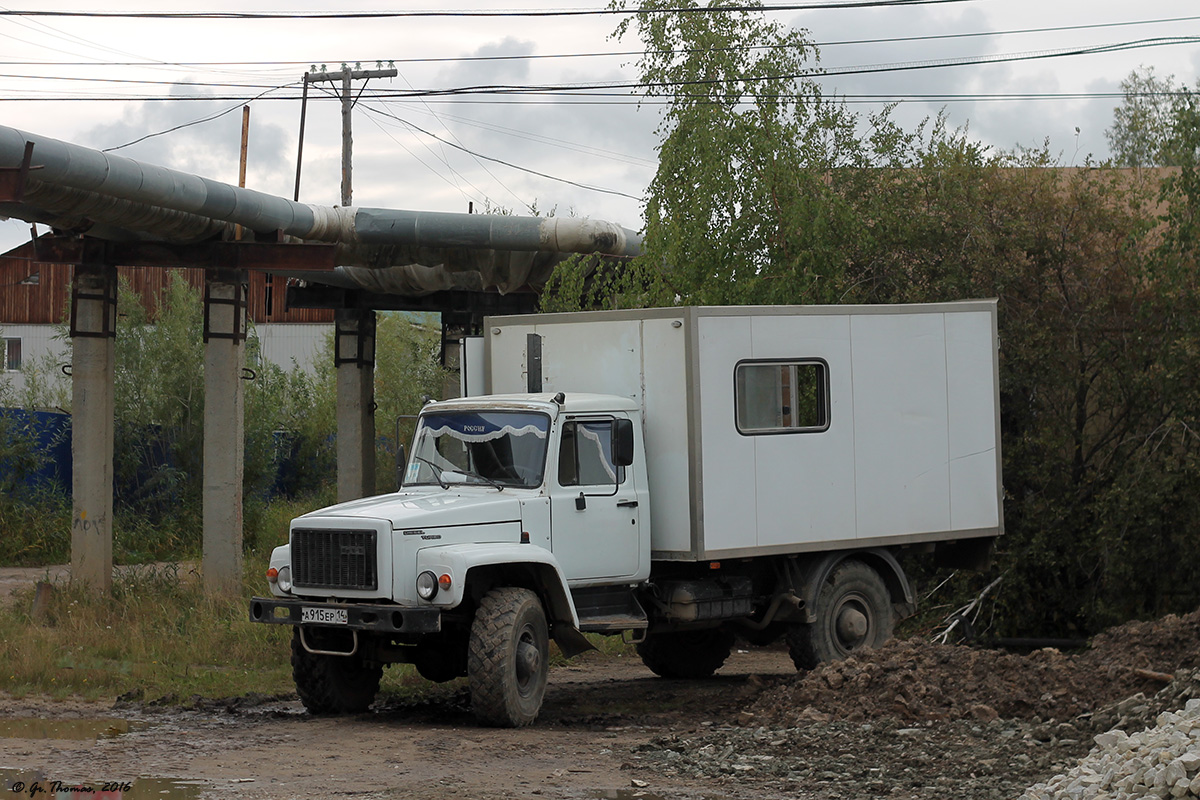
{"type": "Point", "coordinates": [508, 658]}
{"type": "Point", "coordinates": [686, 654]}
{"type": "Point", "coordinates": [854, 612]}
{"type": "Point", "coordinates": [333, 684]}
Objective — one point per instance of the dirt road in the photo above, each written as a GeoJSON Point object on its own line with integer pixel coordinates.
{"type": "Point", "coordinates": [597, 709]}
{"type": "Point", "coordinates": [911, 721]}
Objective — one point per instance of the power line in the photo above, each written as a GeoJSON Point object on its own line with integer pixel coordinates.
{"type": "Point", "coordinates": [551, 99]}
{"type": "Point", "coordinates": [615, 53]}
{"type": "Point", "coordinates": [621, 89]}
{"type": "Point", "coordinates": [421, 161]}
{"type": "Point", "coordinates": [564, 144]}
{"type": "Point", "coordinates": [559, 12]}
{"type": "Point", "coordinates": [497, 160]}
{"type": "Point", "coordinates": [443, 159]}
{"type": "Point", "coordinates": [140, 81]}
{"type": "Point", "coordinates": [209, 118]}
{"type": "Point", "coordinates": [1008, 58]}
{"type": "Point", "coordinates": [601, 88]}
{"type": "Point", "coordinates": [482, 165]}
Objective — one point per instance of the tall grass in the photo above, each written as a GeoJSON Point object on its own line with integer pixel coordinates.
{"type": "Point", "coordinates": [157, 633]}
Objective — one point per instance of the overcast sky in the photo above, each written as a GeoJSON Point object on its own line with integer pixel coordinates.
{"type": "Point", "coordinates": [606, 143]}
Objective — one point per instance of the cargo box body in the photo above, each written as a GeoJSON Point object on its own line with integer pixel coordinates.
{"type": "Point", "coordinates": [787, 429]}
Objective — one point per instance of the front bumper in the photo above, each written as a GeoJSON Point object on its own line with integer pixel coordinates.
{"type": "Point", "coordinates": [380, 618]}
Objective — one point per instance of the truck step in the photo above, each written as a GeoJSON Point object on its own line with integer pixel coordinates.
{"type": "Point", "coordinates": [613, 623]}
{"type": "Point", "coordinates": [609, 609]}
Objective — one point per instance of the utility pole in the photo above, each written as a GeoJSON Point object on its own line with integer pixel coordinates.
{"type": "Point", "coordinates": [345, 75]}
{"type": "Point", "coordinates": [354, 337]}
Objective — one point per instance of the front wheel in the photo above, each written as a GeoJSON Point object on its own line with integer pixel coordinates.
{"type": "Point", "coordinates": [686, 654]}
{"type": "Point", "coordinates": [853, 612]}
{"type": "Point", "coordinates": [508, 658]}
{"type": "Point", "coordinates": [333, 684]}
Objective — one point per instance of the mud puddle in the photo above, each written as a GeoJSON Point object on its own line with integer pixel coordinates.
{"type": "Point", "coordinates": [78, 729]}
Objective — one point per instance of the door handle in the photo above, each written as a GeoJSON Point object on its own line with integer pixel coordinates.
{"type": "Point", "coordinates": [627, 503]}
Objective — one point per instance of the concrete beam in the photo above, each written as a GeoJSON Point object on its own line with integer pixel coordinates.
{"type": "Point", "coordinates": [354, 358]}
{"type": "Point", "coordinates": [224, 426]}
{"type": "Point", "coordinates": [93, 358]}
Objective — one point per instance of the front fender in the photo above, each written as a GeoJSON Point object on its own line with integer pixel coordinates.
{"type": "Point", "coordinates": [280, 557]}
{"type": "Point", "coordinates": [459, 560]}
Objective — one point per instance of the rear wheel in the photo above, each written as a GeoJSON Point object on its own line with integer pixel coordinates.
{"type": "Point", "coordinates": [686, 654]}
{"type": "Point", "coordinates": [854, 612]}
{"type": "Point", "coordinates": [333, 684]}
{"type": "Point", "coordinates": [508, 658]}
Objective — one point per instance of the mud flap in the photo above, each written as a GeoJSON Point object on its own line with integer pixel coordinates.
{"type": "Point", "coordinates": [570, 640]}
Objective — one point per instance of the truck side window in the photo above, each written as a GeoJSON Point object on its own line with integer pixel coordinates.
{"type": "Point", "coordinates": [585, 455]}
{"type": "Point", "coordinates": [781, 397]}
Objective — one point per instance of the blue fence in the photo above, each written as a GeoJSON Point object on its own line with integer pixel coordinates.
{"type": "Point", "coordinates": [35, 456]}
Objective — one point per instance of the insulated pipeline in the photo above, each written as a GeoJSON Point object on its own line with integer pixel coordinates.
{"type": "Point", "coordinates": [119, 193]}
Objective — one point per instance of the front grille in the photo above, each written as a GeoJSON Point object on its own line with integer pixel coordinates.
{"type": "Point", "coordinates": [334, 559]}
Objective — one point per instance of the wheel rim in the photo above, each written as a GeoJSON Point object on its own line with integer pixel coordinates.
{"type": "Point", "coordinates": [853, 622]}
{"type": "Point", "coordinates": [529, 661]}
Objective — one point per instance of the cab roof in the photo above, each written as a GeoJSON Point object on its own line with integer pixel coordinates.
{"type": "Point", "coordinates": [571, 402]}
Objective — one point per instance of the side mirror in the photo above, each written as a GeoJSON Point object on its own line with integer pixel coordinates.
{"type": "Point", "coordinates": [622, 442]}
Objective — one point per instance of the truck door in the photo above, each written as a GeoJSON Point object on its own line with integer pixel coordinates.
{"type": "Point", "coordinates": [594, 512]}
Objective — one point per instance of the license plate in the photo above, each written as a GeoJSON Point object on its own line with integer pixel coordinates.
{"type": "Point", "coordinates": [324, 616]}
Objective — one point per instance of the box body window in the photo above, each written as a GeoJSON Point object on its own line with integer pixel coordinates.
{"type": "Point", "coordinates": [782, 396]}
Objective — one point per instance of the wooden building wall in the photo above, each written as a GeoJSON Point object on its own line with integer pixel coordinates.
{"type": "Point", "coordinates": [47, 301]}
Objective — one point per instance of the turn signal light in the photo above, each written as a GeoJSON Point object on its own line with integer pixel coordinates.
{"type": "Point", "coordinates": [272, 574]}
{"type": "Point", "coordinates": [444, 582]}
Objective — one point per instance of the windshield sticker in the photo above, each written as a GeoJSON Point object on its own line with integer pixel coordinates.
{"type": "Point", "coordinates": [481, 428]}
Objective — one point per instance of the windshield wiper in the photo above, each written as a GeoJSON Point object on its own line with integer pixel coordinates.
{"type": "Point", "coordinates": [485, 479]}
{"type": "Point", "coordinates": [437, 471]}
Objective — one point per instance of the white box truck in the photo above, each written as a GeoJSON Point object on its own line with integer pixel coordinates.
{"type": "Point", "coordinates": [680, 476]}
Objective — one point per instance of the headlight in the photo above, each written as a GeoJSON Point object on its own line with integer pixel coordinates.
{"type": "Point", "coordinates": [284, 579]}
{"type": "Point", "coordinates": [427, 585]}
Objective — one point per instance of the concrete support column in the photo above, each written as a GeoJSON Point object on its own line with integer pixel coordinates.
{"type": "Point", "coordinates": [452, 361]}
{"type": "Point", "coordinates": [224, 439]}
{"type": "Point", "coordinates": [354, 357]}
{"type": "Point", "coordinates": [93, 357]}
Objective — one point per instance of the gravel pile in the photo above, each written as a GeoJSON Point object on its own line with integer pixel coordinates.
{"type": "Point", "coordinates": [1138, 711]}
{"type": "Point", "coordinates": [838, 760]}
{"type": "Point", "coordinates": [917, 721]}
{"type": "Point", "coordinates": [1161, 762]}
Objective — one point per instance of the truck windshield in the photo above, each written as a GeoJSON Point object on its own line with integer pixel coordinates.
{"type": "Point", "coordinates": [499, 448]}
